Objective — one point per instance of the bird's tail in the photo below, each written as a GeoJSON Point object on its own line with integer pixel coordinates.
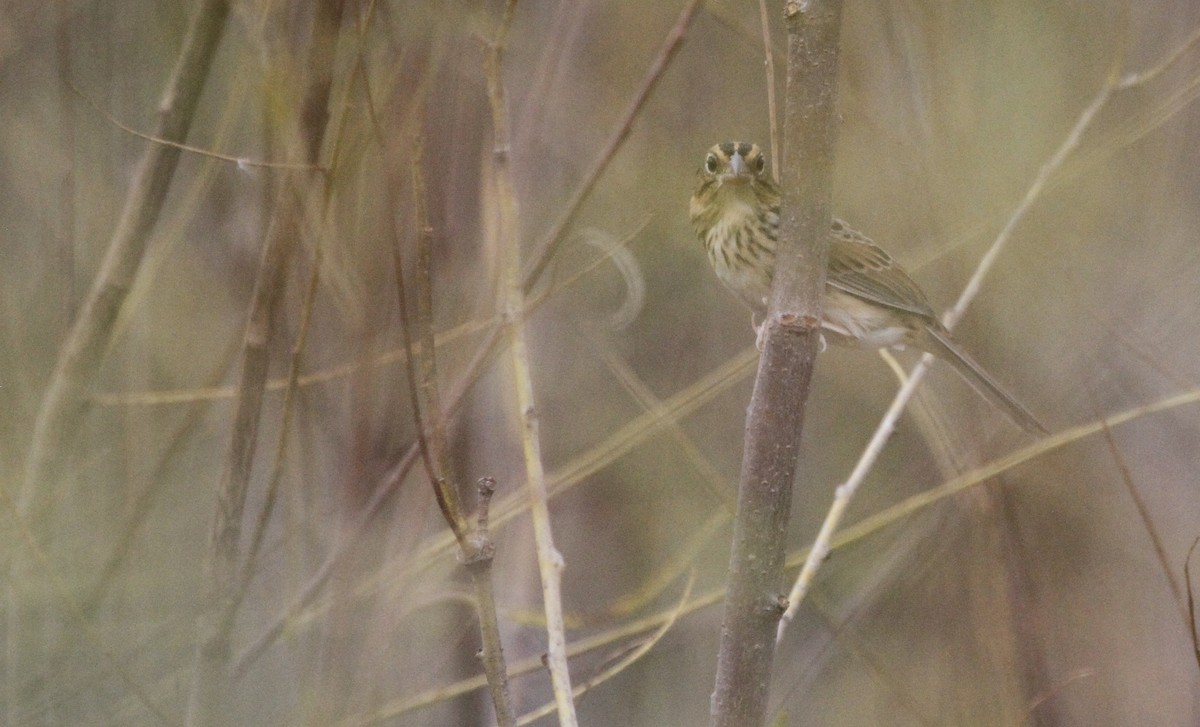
{"type": "Point", "coordinates": [937, 341]}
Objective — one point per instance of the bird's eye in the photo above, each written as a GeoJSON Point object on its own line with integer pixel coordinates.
{"type": "Point", "coordinates": [760, 164]}
{"type": "Point", "coordinates": [711, 164]}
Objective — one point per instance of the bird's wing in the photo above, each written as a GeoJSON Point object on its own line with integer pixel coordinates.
{"type": "Point", "coordinates": [863, 269]}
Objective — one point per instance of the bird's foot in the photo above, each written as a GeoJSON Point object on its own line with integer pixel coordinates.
{"type": "Point", "coordinates": [760, 332]}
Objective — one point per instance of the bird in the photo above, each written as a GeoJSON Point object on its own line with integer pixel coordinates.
{"type": "Point", "coordinates": [870, 301]}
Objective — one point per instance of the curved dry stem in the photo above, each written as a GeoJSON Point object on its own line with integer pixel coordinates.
{"type": "Point", "coordinates": [557, 233]}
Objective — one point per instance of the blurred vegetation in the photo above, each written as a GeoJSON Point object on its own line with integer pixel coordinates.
{"type": "Point", "coordinates": [1050, 594]}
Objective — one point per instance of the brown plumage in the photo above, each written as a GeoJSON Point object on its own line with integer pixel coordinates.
{"type": "Point", "coordinates": [870, 302]}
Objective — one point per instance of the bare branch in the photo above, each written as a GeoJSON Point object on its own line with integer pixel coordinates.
{"type": "Point", "coordinates": [241, 161]}
{"type": "Point", "coordinates": [550, 561]}
{"type": "Point", "coordinates": [792, 330]}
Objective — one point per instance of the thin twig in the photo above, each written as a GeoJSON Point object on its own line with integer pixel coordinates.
{"type": "Point", "coordinates": [769, 64]}
{"type": "Point", "coordinates": [430, 399]}
{"type": "Point", "coordinates": [845, 493]}
{"type": "Point", "coordinates": [238, 160]}
{"type": "Point", "coordinates": [285, 425]}
{"type": "Point", "coordinates": [475, 545]}
{"type": "Point", "coordinates": [550, 561]}
{"type": "Point", "coordinates": [421, 371]}
{"type": "Point", "coordinates": [1027, 201]}
{"type": "Point", "coordinates": [1136, 79]}
{"type": "Point", "coordinates": [478, 561]}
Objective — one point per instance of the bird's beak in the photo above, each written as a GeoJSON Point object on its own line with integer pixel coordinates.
{"type": "Point", "coordinates": [738, 171]}
{"type": "Point", "coordinates": [737, 165]}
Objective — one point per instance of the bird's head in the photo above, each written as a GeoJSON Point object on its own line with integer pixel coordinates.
{"type": "Point", "coordinates": [733, 162]}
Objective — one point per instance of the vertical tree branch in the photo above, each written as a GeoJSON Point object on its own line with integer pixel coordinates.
{"type": "Point", "coordinates": [478, 560]}
{"type": "Point", "coordinates": [474, 541]}
{"type": "Point", "coordinates": [792, 330]}
{"type": "Point", "coordinates": [550, 562]}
